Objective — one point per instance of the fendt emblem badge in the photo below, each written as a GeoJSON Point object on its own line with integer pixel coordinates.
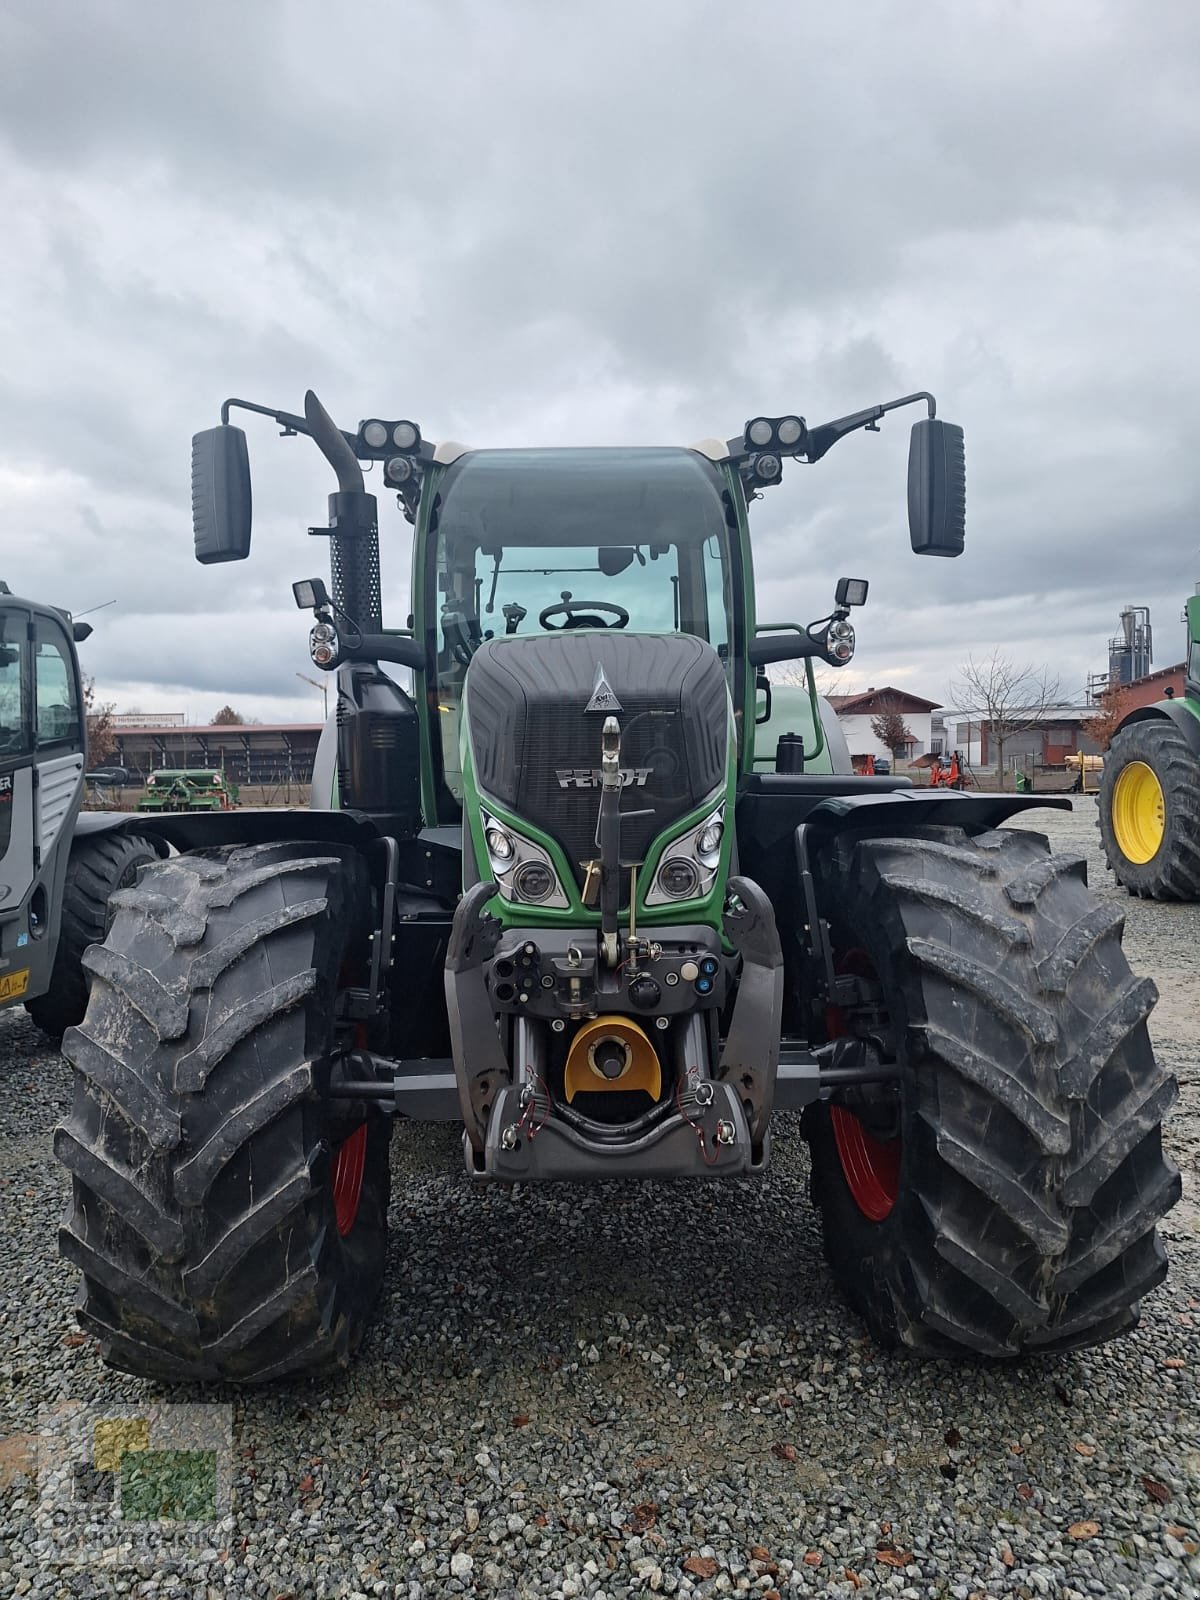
{"type": "Point", "coordinates": [603, 695]}
{"type": "Point", "coordinates": [590, 777]}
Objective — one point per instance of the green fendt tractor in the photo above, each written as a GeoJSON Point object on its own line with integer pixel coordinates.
{"type": "Point", "coordinates": [1150, 791]}
{"type": "Point", "coordinates": [57, 867]}
{"type": "Point", "coordinates": [647, 944]}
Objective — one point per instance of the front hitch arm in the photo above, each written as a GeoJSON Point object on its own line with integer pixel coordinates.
{"type": "Point", "coordinates": [750, 1059]}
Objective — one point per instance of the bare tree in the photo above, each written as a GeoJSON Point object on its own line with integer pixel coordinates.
{"type": "Point", "coordinates": [101, 736]}
{"type": "Point", "coordinates": [890, 728]}
{"type": "Point", "coordinates": [1005, 696]}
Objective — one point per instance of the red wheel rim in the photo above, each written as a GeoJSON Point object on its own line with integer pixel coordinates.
{"type": "Point", "coordinates": [870, 1166]}
{"type": "Point", "coordinates": [349, 1161]}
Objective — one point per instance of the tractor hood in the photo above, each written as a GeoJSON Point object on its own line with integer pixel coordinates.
{"type": "Point", "coordinates": [535, 710]}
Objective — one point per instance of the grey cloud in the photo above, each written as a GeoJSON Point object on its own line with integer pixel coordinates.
{"type": "Point", "coordinates": [532, 223]}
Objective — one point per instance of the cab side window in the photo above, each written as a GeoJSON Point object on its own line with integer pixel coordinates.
{"type": "Point", "coordinates": [16, 732]}
{"type": "Point", "coordinates": [58, 719]}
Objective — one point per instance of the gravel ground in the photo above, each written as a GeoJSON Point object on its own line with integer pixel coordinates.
{"type": "Point", "coordinates": [653, 1388]}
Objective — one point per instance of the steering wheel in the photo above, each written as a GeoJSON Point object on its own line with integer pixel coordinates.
{"type": "Point", "coordinates": [577, 614]}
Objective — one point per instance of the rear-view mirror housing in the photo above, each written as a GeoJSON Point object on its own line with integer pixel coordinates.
{"type": "Point", "coordinates": [937, 488]}
{"type": "Point", "coordinates": [220, 495]}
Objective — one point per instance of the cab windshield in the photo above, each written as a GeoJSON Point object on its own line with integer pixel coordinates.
{"type": "Point", "coordinates": [533, 541]}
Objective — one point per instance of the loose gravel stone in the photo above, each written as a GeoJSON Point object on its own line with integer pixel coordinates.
{"type": "Point", "coordinates": [643, 1389]}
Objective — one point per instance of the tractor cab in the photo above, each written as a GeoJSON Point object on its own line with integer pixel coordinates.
{"type": "Point", "coordinates": [540, 545]}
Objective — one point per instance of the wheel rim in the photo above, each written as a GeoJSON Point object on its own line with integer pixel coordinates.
{"type": "Point", "coordinates": [349, 1163]}
{"type": "Point", "coordinates": [1139, 813]}
{"type": "Point", "coordinates": [870, 1166]}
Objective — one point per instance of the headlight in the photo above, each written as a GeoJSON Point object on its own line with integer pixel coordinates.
{"type": "Point", "coordinates": [708, 841]}
{"type": "Point", "coordinates": [500, 846]}
{"type": "Point", "coordinates": [523, 870]}
{"type": "Point", "coordinates": [399, 469]}
{"type": "Point", "coordinates": [790, 430]}
{"type": "Point", "coordinates": [534, 881]}
{"type": "Point", "coordinates": [760, 431]}
{"type": "Point", "coordinates": [678, 878]}
{"type": "Point", "coordinates": [690, 862]}
{"type": "Point", "coordinates": [375, 434]}
{"type": "Point", "coordinates": [405, 435]}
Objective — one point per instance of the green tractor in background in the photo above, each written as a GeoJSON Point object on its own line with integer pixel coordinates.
{"type": "Point", "coordinates": [593, 892]}
{"type": "Point", "coordinates": [58, 866]}
{"type": "Point", "coordinates": [1150, 790]}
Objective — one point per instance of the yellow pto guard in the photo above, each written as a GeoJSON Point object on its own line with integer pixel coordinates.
{"type": "Point", "coordinates": [612, 1053]}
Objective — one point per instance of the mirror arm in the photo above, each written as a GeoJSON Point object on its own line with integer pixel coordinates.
{"type": "Point", "coordinates": [790, 647]}
{"type": "Point", "coordinates": [287, 420]}
{"type": "Point", "coordinates": [405, 652]}
{"type": "Point", "coordinates": [817, 441]}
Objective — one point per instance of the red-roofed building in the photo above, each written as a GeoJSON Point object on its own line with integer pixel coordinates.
{"type": "Point", "coordinates": [856, 712]}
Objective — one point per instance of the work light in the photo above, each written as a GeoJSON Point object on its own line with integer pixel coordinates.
{"type": "Point", "coordinates": [375, 434]}
{"type": "Point", "coordinates": [759, 431]}
{"type": "Point", "coordinates": [406, 435]}
{"type": "Point", "coordinates": [310, 594]}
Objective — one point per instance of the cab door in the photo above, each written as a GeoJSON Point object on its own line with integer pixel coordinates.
{"type": "Point", "coordinates": [17, 800]}
{"type": "Point", "coordinates": [41, 785]}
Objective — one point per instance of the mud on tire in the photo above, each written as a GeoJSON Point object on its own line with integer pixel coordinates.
{"type": "Point", "coordinates": [201, 1149]}
{"type": "Point", "coordinates": [1031, 1172]}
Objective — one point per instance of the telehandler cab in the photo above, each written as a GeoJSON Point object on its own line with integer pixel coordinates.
{"type": "Point", "coordinates": [550, 894]}
{"type": "Point", "coordinates": [58, 867]}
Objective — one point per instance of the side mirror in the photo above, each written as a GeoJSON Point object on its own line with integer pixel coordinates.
{"type": "Point", "coordinates": [937, 488]}
{"type": "Point", "coordinates": [220, 495]}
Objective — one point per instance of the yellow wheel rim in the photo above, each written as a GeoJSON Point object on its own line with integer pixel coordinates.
{"type": "Point", "coordinates": [1139, 816]}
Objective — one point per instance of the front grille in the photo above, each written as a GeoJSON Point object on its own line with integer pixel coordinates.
{"type": "Point", "coordinates": [537, 749]}
{"type": "Point", "coordinates": [559, 740]}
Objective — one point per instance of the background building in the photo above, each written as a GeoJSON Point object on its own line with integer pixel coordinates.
{"type": "Point", "coordinates": [248, 752]}
{"type": "Point", "coordinates": [856, 712]}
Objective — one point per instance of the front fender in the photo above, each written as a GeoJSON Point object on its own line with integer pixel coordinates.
{"type": "Point", "coordinates": [202, 830]}
{"type": "Point", "coordinates": [915, 808]}
{"type": "Point", "coordinates": [1185, 714]}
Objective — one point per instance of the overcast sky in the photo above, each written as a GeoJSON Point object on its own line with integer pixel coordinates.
{"type": "Point", "coordinates": [542, 223]}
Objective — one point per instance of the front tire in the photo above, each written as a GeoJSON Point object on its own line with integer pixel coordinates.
{"type": "Point", "coordinates": [1149, 811]}
{"type": "Point", "coordinates": [96, 870]}
{"type": "Point", "coordinates": [1003, 1197]}
{"type": "Point", "coordinates": [227, 1225]}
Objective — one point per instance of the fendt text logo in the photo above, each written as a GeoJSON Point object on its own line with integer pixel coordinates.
{"type": "Point", "coordinates": [589, 777]}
